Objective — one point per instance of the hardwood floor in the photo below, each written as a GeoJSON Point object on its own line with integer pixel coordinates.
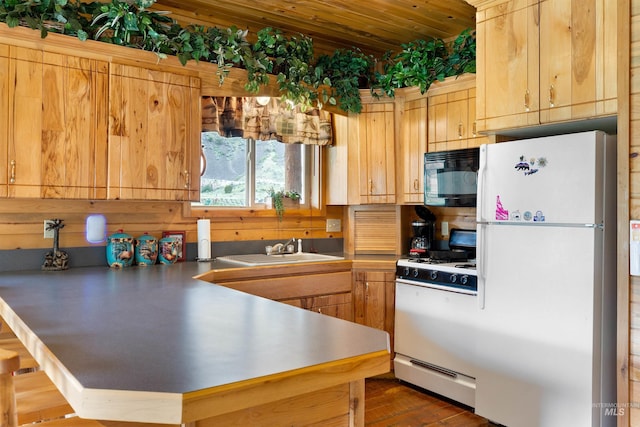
{"type": "Point", "coordinates": [391, 403]}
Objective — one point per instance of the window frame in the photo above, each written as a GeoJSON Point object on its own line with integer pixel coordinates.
{"type": "Point", "coordinates": [314, 189]}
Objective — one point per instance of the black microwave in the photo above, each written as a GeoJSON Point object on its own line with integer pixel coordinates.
{"type": "Point", "coordinates": [451, 177]}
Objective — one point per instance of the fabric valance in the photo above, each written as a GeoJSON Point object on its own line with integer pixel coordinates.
{"type": "Point", "coordinates": [271, 119]}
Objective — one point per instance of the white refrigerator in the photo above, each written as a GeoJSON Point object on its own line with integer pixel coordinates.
{"type": "Point", "coordinates": [546, 328]}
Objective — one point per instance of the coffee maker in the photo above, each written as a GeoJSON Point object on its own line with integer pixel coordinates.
{"type": "Point", "coordinates": [422, 240]}
{"type": "Point", "coordinates": [424, 233]}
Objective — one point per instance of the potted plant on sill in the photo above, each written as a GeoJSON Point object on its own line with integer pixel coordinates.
{"type": "Point", "coordinates": [281, 199]}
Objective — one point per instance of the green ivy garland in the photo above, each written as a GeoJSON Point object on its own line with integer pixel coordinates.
{"type": "Point", "coordinates": [329, 79]}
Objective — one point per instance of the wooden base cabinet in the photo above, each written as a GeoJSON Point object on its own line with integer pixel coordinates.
{"type": "Point", "coordinates": [325, 288]}
{"type": "Point", "coordinates": [54, 116]}
{"type": "Point", "coordinates": [374, 300]}
{"type": "Point", "coordinates": [336, 305]}
{"type": "Point", "coordinates": [545, 61]}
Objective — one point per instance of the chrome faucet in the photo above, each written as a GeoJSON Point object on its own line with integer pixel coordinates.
{"type": "Point", "coordinates": [281, 248]}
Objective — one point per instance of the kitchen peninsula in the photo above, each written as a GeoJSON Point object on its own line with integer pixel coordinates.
{"type": "Point", "coordinates": [157, 345]}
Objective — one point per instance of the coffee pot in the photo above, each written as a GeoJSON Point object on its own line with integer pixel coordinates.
{"type": "Point", "coordinates": [424, 231]}
{"type": "Point", "coordinates": [422, 240]}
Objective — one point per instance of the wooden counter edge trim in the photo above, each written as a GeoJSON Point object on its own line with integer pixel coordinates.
{"type": "Point", "coordinates": [233, 397]}
{"type": "Point", "coordinates": [49, 363]}
{"type": "Point", "coordinates": [158, 407]}
{"type": "Point", "coordinates": [274, 271]}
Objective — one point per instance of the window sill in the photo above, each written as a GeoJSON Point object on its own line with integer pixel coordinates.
{"type": "Point", "coordinates": [217, 212]}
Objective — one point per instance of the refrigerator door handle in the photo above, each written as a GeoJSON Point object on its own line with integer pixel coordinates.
{"type": "Point", "coordinates": [480, 263]}
{"type": "Point", "coordinates": [482, 170]}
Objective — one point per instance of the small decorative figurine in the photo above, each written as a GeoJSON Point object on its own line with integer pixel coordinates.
{"type": "Point", "coordinates": [146, 250]}
{"type": "Point", "coordinates": [168, 250]}
{"type": "Point", "coordinates": [55, 260]}
{"type": "Point", "coordinates": [120, 252]}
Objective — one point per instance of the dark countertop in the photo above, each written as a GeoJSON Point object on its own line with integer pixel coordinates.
{"type": "Point", "coordinates": [156, 329]}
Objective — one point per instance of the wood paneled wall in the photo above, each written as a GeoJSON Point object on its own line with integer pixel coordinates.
{"type": "Point", "coordinates": [21, 222]}
{"type": "Point", "coordinates": [629, 208]}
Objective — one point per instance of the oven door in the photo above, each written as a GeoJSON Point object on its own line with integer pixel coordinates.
{"type": "Point", "coordinates": [434, 339]}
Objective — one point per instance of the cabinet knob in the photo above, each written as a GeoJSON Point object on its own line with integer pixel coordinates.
{"type": "Point", "coordinates": [12, 179]}
{"type": "Point", "coordinates": [474, 131]}
{"type": "Point", "coordinates": [526, 100]}
{"type": "Point", "coordinates": [552, 96]}
{"type": "Point", "coordinates": [460, 130]}
{"type": "Point", "coordinates": [416, 183]}
{"type": "Point", "coordinates": [186, 179]}
{"type": "Point", "coordinates": [370, 186]}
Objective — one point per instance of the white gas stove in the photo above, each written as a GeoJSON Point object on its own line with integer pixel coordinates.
{"type": "Point", "coordinates": [435, 317]}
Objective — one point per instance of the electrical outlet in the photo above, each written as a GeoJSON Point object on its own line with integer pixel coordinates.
{"type": "Point", "coordinates": [48, 234]}
{"type": "Point", "coordinates": [445, 228]}
{"type": "Point", "coordinates": [334, 225]}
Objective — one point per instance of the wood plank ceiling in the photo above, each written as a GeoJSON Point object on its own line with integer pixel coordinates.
{"type": "Point", "coordinates": [374, 26]}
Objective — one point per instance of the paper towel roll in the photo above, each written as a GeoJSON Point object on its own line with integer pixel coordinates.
{"type": "Point", "coordinates": [204, 239]}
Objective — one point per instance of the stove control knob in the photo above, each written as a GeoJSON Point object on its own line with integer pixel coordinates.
{"type": "Point", "coordinates": [415, 272]}
{"type": "Point", "coordinates": [433, 275]}
{"type": "Point", "coordinates": [405, 272]}
{"type": "Point", "coordinates": [464, 279]}
{"type": "Point", "coordinates": [453, 278]}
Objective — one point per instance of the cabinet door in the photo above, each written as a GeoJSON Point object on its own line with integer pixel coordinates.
{"type": "Point", "coordinates": [437, 123]}
{"type": "Point", "coordinates": [457, 119]}
{"type": "Point", "coordinates": [577, 63]}
{"type": "Point", "coordinates": [57, 127]}
{"type": "Point", "coordinates": [475, 139]}
{"type": "Point", "coordinates": [413, 145]}
{"type": "Point", "coordinates": [372, 299]}
{"type": "Point", "coordinates": [5, 105]}
{"type": "Point", "coordinates": [152, 144]}
{"type": "Point", "coordinates": [371, 311]}
{"type": "Point", "coordinates": [376, 125]}
{"type": "Point", "coordinates": [335, 305]}
{"type": "Point", "coordinates": [507, 65]}
{"type": "Point", "coordinates": [26, 123]}
{"type": "Point", "coordinates": [74, 127]}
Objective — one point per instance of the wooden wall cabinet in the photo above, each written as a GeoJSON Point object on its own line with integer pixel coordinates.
{"type": "Point", "coordinates": [376, 137]}
{"type": "Point", "coordinates": [84, 127]}
{"type": "Point", "coordinates": [365, 145]}
{"type": "Point", "coordinates": [154, 135]}
{"type": "Point", "coordinates": [411, 113]}
{"type": "Point", "coordinates": [54, 115]}
{"type": "Point", "coordinates": [452, 114]}
{"type": "Point", "coordinates": [545, 61]}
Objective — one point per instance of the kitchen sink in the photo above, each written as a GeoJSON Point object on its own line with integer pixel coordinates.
{"type": "Point", "coordinates": [253, 260]}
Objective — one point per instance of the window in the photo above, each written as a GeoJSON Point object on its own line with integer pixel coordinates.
{"type": "Point", "coordinates": [240, 172]}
